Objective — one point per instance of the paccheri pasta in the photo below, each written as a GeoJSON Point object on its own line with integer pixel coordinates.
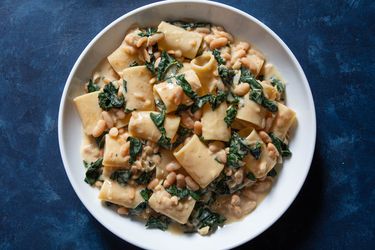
{"type": "Point", "coordinates": [184, 124]}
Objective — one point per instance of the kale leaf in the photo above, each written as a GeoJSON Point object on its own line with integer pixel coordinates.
{"type": "Point", "coordinates": [146, 194]}
{"type": "Point", "coordinates": [226, 75]}
{"type": "Point", "coordinates": [151, 64]}
{"type": "Point", "coordinates": [135, 148]}
{"type": "Point", "coordinates": [158, 120]}
{"type": "Point", "coordinates": [182, 193]}
{"type": "Point", "coordinates": [256, 150]}
{"type": "Point", "coordinates": [190, 25]}
{"type": "Point", "coordinates": [251, 176]}
{"type": "Point", "coordinates": [121, 176]}
{"type": "Point", "coordinates": [159, 222]}
{"type": "Point", "coordinates": [231, 114]}
{"type": "Point", "coordinates": [92, 87]}
{"type": "Point", "coordinates": [109, 99]}
{"type": "Point", "coordinates": [218, 57]}
{"type": "Point", "coordinates": [145, 178]}
{"type": "Point", "coordinates": [256, 93]}
{"type": "Point", "coordinates": [213, 100]}
{"type": "Point", "coordinates": [280, 145]}
{"type": "Point", "coordinates": [93, 171]}
{"type": "Point", "coordinates": [166, 62]}
{"type": "Point", "coordinates": [101, 139]}
{"type": "Point", "coordinates": [208, 218]}
{"type": "Point", "coordinates": [182, 134]}
{"type": "Point", "coordinates": [184, 84]}
{"type": "Point", "coordinates": [278, 84]}
{"type": "Point", "coordinates": [272, 173]}
{"type": "Point", "coordinates": [238, 149]}
{"type": "Point", "coordinates": [148, 32]}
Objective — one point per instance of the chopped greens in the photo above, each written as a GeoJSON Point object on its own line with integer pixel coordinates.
{"type": "Point", "coordinates": [159, 222]}
{"type": "Point", "coordinates": [101, 139]}
{"type": "Point", "coordinates": [218, 57]}
{"type": "Point", "coordinates": [166, 63]}
{"type": "Point", "coordinates": [231, 114]}
{"type": "Point", "coordinates": [256, 93]}
{"type": "Point", "coordinates": [146, 194]}
{"type": "Point", "coordinates": [226, 75]}
{"type": "Point", "coordinates": [280, 145]}
{"type": "Point", "coordinates": [256, 150]}
{"type": "Point", "coordinates": [251, 176]}
{"type": "Point", "coordinates": [184, 84]}
{"type": "Point", "coordinates": [135, 148]}
{"type": "Point", "coordinates": [182, 134]}
{"type": "Point", "coordinates": [158, 120]}
{"type": "Point", "coordinates": [93, 171]}
{"type": "Point", "coordinates": [182, 193]}
{"type": "Point", "coordinates": [208, 218]}
{"type": "Point", "coordinates": [151, 64]}
{"type": "Point", "coordinates": [133, 64]}
{"type": "Point", "coordinates": [213, 100]}
{"type": "Point", "coordinates": [148, 32]}
{"type": "Point", "coordinates": [238, 149]}
{"type": "Point", "coordinates": [279, 85]}
{"type": "Point", "coordinates": [138, 209]}
{"type": "Point", "coordinates": [92, 87]}
{"type": "Point", "coordinates": [190, 25]}
{"type": "Point", "coordinates": [109, 99]}
{"type": "Point", "coordinates": [272, 173]}
{"type": "Point", "coordinates": [121, 176]}
{"type": "Point", "coordinates": [144, 178]}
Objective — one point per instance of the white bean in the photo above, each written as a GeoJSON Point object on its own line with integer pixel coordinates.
{"type": "Point", "coordinates": [191, 183]}
{"type": "Point", "coordinates": [99, 128]}
{"type": "Point", "coordinates": [108, 119]}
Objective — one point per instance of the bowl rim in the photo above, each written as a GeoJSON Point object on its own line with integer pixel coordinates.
{"type": "Point", "coordinates": [217, 4]}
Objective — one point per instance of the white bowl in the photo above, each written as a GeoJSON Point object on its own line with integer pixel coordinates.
{"type": "Point", "coordinates": [299, 98]}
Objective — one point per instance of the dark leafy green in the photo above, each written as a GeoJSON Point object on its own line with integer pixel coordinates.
{"type": "Point", "coordinates": [158, 222]}
{"type": "Point", "coordinates": [208, 218]}
{"type": "Point", "coordinates": [121, 176]}
{"type": "Point", "coordinates": [184, 84]}
{"type": "Point", "coordinates": [190, 25]}
{"type": "Point", "coordinates": [230, 114]}
{"type": "Point", "coordinates": [145, 177]}
{"type": "Point", "coordinates": [182, 193]}
{"type": "Point", "coordinates": [226, 75]}
{"type": "Point", "coordinates": [133, 64]}
{"type": "Point", "coordinates": [158, 120]}
{"type": "Point", "coordinates": [92, 87]}
{"type": "Point", "coordinates": [148, 32]}
{"type": "Point", "coordinates": [101, 139]}
{"type": "Point", "coordinates": [138, 209]}
{"type": "Point", "coordinates": [251, 176]}
{"type": "Point", "coordinates": [279, 85]}
{"type": "Point", "coordinates": [135, 148]}
{"type": "Point", "coordinates": [182, 134]}
{"type": "Point", "coordinates": [218, 57]}
{"type": "Point", "coordinates": [151, 64]}
{"type": "Point", "coordinates": [272, 173]}
{"type": "Point", "coordinates": [280, 145]}
{"type": "Point", "coordinates": [238, 149]}
{"type": "Point", "coordinates": [109, 99]}
{"type": "Point", "coordinates": [256, 150]}
{"type": "Point", "coordinates": [146, 194]}
{"type": "Point", "coordinates": [94, 170]}
{"type": "Point", "coordinates": [166, 62]}
{"type": "Point", "coordinates": [213, 100]}
{"type": "Point", "coordinates": [256, 93]}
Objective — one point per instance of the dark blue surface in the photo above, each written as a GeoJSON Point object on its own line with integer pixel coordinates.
{"type": "Point", "coordinates": [334, 42]}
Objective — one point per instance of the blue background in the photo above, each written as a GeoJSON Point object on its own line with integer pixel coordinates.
{"type": "Point", "coordinates": [333, 41]}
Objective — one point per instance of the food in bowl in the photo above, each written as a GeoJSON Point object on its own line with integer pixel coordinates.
{"type": "Point", "coordinates": [184, 124]}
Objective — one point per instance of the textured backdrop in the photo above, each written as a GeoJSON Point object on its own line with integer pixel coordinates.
{"type": "Point", "coordinates": [333, 41]}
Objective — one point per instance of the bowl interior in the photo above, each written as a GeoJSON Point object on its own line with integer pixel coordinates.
{"type": "Point", "coordinates": [299, 98]}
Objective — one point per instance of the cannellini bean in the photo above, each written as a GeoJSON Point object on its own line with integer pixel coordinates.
{"type": "Point", "coordinates": [237, 211]}
{"type": "Point", "coordinates": [153, 184]}
{"type": "Point", "coordinates": [157, 61]}
{"type": "Point", "coordinates": [218, 42]}
{"type": "Point", "coordinates": [237, 65]}
{"type": "Point", "coordinates": [191, 183]}
{"type": "Point", "coordinates": [238, 176]}
{"type": "Point", "coordinates": [152, 80]}
{"type": "Point", "coordinates": [152, 40]}
{"type": "Point", "coordinates": [204, 230]}
{"type": "Point", "coordinates": [186, 120]}
{"type": "Point", "coordinates": [172, 166]}
{"type": "Point", "coordinates": [226, 56]}
{"type": "Point", "coordinates": [148, 150]}
{"type": "Point", "coordinates": [243, 45]}
{"type": "Point", "coordinates": [130, 50]}
{"type": "Point", "coordinates": [265, 137]}
{"type": "Point", "coordinates": [209, 38]}
{"type": "Point", "coordinates": [237, 54]}
{"type": "Point", "coordinates": [228, 171]}
{"type": "Point", "coordinates": [235, 200]}
{"type": "Point", "coordinates": [241, 89]}
{"type": "Point", "coordinates": [156, 159]}
{"type": "Point", "coordinates": [198, 127]}
{"type": "Point", "coordinates": [180, 178]}
{"type": "Point", "coordinates": [221, 156]}
{"type": "Point", "coordinates": [203, 30]}
{"type": "Point", "coordinates": [215, 146]}
{"type": "Point", "coordinates": [249, 64]}
{"type": "Point", "coordinates": [108, 119]}
{"type": "Point", "coordinates": [178, 53]}
{"type": "Point", "coordinates": [113, 132]}
{"type": "Point", "coordinates": [120, 114]}
{"type": "Point", "coordinates": [99, 128]}
{"type": "Point", "coordinates": [124, 149]}
{"type": "Point", "coordinates": [123, 211]}
{"type": "Point", "coordinates": [262, 186]}
{"type": "Point", "coordinates": [197, 114]}
{"type": "Point", "coordinates": [170, 179]}
{"type": "Point", "coordinates": [272, 151]}
{"type": "Point", "coordinates": [98, 184]}
{"type": "Point", "coordinates": [157, 55]}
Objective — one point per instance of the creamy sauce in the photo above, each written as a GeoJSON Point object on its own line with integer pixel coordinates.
{"type": "Point", "coordinates": [89, 149]}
